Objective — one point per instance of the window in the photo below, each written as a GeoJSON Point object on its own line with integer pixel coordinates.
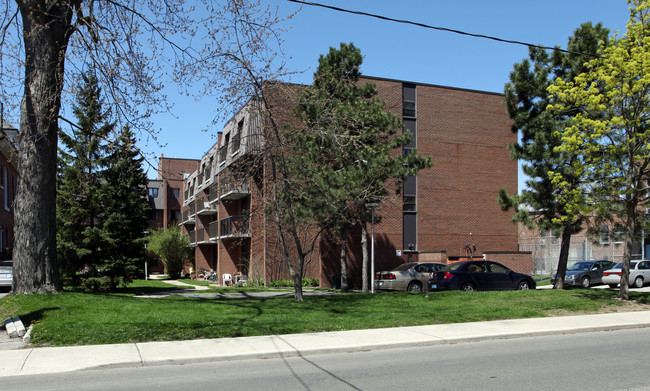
{"type": "Point", "coordinates": [408, 101]}
{"type": "Point", "coordinates": [619, 233]}
{"type": "Point", "coordinates": [175, 215]}
{"type": "Point", "coordinates": [223, 151]}
{"type": "Point", "coordinates": [153, 192]}
{"type": "Point", "coordinates": [496, 268]}
{"type": "Point", "coordinates": [236, 138]}
{"type": "Point", "coordinates": [153, 215]}
{"type": "Point", "coordinates": [604, 234]}
{"type": "Point", "coordinates": [409, 203]}
{"type": "Point", "coordinates": [175, 193]}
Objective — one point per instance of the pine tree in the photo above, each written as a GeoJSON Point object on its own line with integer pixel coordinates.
{"type": "Point", "coordinates": [344, 155]}
{"type": "Point", "coordinates": [80, 240]}
{"type": "Point", "coordinates": [125, 210]}
{"type": "Point", "coordinates": [526, 99]}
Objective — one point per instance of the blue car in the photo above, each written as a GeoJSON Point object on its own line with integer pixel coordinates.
{"type": "Point", "coordinates": [479, 276]}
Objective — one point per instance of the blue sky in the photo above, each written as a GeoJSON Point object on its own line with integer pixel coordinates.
{"type": "Point", "coordinates": [405, 52]}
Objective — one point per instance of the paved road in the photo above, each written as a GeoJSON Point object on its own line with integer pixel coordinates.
{"type": "Point", "coordinates": [599, 360]}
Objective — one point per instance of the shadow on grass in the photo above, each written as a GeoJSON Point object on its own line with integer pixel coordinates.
{"type": "Point", "coordinates": [36, 316]}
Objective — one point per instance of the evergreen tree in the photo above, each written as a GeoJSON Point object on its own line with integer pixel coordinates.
{"type": "Point", "coordinates": [526, 99]}
{"type": "Point", "coordinates": [125, 210]}
{"type": "Point", "coordinates": [345, 154]}
{"type": "Point", "coordinates": [80, 238]}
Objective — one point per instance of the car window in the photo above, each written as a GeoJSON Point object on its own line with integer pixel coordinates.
{"type": "Point", "coordinates": [477, 267]}
{"type": "Point", "coordinates": [644, 265]}
{"type": "Point", "coordinates": [497, 268]}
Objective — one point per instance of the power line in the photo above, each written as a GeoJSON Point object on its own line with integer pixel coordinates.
{"type": "Point", "coordinates": [440, 28]}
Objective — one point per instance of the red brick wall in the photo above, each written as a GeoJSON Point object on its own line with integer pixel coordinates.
{"type": "Point", "coordinates": [521, 262]}
{"type": "Point", "coordinates": [466, 133]}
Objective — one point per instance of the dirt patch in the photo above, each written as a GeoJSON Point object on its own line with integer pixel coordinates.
{"type": "Point", "coordinates": [621, 306]}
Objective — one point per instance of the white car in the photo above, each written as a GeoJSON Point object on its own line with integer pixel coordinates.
{"type": "Point", "coordinates": [411, 276]}
{"type": "Point", "coordinates": [639, 274]}
{"type": "Point", "coordinates": [6, 274]}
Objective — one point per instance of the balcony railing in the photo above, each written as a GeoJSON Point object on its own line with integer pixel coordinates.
{"type": "Point", "coordinates": [213, 194]}
{"type": "Point", "coordinates": [231, 190]}
{"type": "Point", "coordinates": [192, 238]}
{"type": "Point", "coordinates": [192, 206]}
{"type": "Point", "coordinates": [234, 227]}
{"type": "Point", "coordinates": [188, 218]}
{"type": "Point", "coordinates": [213, 230]}
{"type": "Point", "coordinates": [203, 207]}
{"type": "Point", "coordinates": [203, 236]}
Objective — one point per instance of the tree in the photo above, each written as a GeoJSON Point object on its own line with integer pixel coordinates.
{"type": "Point", "coordinates": [610, 132]}
{"type": "Point", "coordinates": [526, 100]}
{"type": "Point", "coordinates": [228, 46]}
{"type": "Point", "coordinates": [102, 203]}
{"type": "Point", "coordinates": [125, 209]}
{"type": "Point", "coordinates": [173, 248]}
{"type": "Point", "coordinates": [81, 239]}
{"type": "Point", "coordinates": [345, 153]}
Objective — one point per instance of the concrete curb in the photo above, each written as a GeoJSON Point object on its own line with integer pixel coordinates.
{"type": "Point", "coordinates": [76, 358]}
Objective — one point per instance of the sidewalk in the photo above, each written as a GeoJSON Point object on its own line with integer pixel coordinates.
{"type": "Point", "coordinates": [74, 358]}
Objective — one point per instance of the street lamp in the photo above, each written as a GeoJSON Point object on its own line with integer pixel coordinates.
{"type": "Point", "coordinates": [372, 204]}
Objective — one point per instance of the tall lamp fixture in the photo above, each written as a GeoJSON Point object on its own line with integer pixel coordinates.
{"type": "Point", "coordinates": [372, 204]}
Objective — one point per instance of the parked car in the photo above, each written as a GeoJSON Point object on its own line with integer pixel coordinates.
{"type": "Point", "coordinates": [585, 273]}
{"type": "Point", "coordinates": [639, 274]}
{"type": "Point", "coordinates": [410, 276]}
{"type": "Point", "coordinates": [479, 275]}
{"type": "Point", "coordinates": [6, 274]}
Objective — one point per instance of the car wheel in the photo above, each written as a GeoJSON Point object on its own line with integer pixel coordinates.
{"type": "Point", "coordinates": [585, 282]}
{"type": "Point", "coordinates": [414, 287]}
{"type": "Point", "coordinates": [638, 282]}
{"type": "Point", "coordinates": [523, 286]}
{"type": "Point", "coordinates": [612, 285]}
{"type": "Point", "coordinates": [467, 287]}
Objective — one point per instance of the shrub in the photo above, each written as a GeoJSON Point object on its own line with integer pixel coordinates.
{"type": "Point", "coordinates": [289, 283]}
{"type": "Point", "coordinates": [96, 284]}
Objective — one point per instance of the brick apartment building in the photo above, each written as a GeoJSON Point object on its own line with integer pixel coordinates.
{"type": "Point", "coordinates": [166, 196]}
{"type": "Point", "coordinates": [8, 182]}
{"type": "Point", "coordinates": [440, 213]}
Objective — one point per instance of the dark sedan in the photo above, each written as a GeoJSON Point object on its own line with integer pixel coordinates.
{"type": "Point", "coordinates": [585, 273]}
{"type": "Point", "coordinates": [479, 275]}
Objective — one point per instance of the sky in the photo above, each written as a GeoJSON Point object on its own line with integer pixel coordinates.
{"type": "Point", "coordinates": [405, 52]}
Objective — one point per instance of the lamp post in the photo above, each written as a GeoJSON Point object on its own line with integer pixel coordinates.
{"type": "Point", "coordinates": [372, 204]}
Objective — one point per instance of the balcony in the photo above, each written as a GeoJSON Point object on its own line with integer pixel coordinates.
{"type": "Point", "coordinates": [233, 191]}
{"type": "Point", "coordinates": [234, 227]}
{"type": "Point", "coordinates": [202, 236]}
{"type": "Point", "coordinates": [213, 194]}
{"type": "Point", "coordinates": [204, 208]}
{"type": "Point", "coordinates": [187, 219]}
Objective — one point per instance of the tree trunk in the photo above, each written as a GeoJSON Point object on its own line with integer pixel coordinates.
{"type": "Point", "coordinates": [364, 252]}
{"type": "Point", "coordinates": [630, 227]}
{"type": "Point", "coordinates": [45, 33]}
{"type": "Point", "coordinates": [344, 269]}
{"type": "Point", "coordinates": [564, 256]}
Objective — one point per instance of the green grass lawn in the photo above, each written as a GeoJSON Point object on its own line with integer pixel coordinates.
{"type": "Point", "coordinates": [75, 318]}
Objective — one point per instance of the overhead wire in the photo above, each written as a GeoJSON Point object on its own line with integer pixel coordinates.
{"type": "Point", "coordinates": [502, 40]}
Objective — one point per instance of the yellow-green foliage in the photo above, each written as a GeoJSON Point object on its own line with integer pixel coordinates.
{"type": "Point", "coordinates": [610, 131]}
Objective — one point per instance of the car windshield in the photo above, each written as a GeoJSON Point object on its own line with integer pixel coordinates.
{"type": "Point", "coordinates": [403, 267]}
{"type": "Point", "coordinates": [580, 266]}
